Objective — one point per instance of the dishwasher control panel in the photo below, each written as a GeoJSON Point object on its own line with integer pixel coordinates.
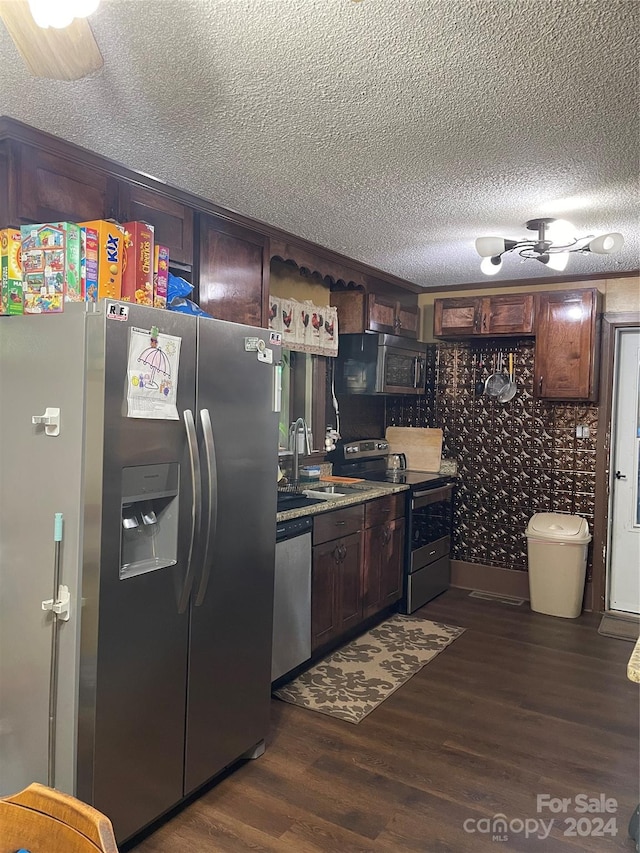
{"type": "Point", "coordinates": [293, 527]}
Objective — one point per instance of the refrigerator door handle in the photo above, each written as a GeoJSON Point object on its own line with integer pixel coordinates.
{"type": "Point", "coordinates": [196, 506]}
{"type": "Point", "coordinates": [212, 515]}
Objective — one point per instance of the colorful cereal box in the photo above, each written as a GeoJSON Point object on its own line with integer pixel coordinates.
{"type": "Point", "coordinates": [50, 266]}
{"type": "Point", "coordinates": [137, 270]}
{"type": "Point", "coordinates": [110, 257]}
{"type": "Point", "coordinates": [160, 276]}
{"type": "Point", "coordinates": [90, 246]}
{"type": "Point", "coordinates": [11, 301]}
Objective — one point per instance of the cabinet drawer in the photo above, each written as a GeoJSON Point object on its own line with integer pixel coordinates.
{"type": "Point", "coordinates": [384, 509]}
{"type": "Point", "coordinates": [342, 522]}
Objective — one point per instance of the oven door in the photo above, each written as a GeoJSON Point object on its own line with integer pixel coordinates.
{"type": "Point", "coordinates": [431, 520]}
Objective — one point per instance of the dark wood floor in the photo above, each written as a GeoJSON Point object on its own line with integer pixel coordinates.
{"type": "Point", "coordinates": [520, 705]}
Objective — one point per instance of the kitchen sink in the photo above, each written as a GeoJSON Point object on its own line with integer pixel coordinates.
{"type": "Point", "coordinates": [327, 492]}
{"type": "Point", "coordinates": [289, 500]}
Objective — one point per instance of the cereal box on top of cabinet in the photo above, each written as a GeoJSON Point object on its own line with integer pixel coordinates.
{"type": "Point", "coordinates": [50, 266]}
{"type": "Point", "coordinates": [11, 301]}
{"type": "Point", "coordinates": [89, 263]}
{"type": "Point", "coordinates": [110, 252]}
{"type": "Point", "coordinates": [137, 267]}
{"type": "Point", "coordinates": [160, 276]}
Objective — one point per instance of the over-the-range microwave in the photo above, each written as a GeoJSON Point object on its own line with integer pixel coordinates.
{"type": "Point", "coordinates": [380, 364]}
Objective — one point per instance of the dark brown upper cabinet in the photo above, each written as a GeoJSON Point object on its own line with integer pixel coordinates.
{"type": "Point", "coordinates": [171, 219]}
{"type": "Point", "coordinates": [46, 179]}
{"type": "Point", "coordinates": [233, 271]}
{"type": "Point", "coordinates": [47, 187]}
{"type": "Point", "coordinates": [567, 344]}
{"type": "Point", "coordinates": [457, 318]}
{"type": "Point", "coordinates": [359, 312]}
{"type": "Point", "coordinates": [509, 314]}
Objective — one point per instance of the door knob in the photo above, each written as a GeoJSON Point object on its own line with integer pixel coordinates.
{"type": "Point", "coordinates": [620, 476]}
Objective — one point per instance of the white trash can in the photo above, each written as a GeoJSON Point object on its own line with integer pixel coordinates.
{"type": "Point", "coordinates": [557, 551]}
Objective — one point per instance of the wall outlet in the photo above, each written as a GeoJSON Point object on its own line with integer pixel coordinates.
{"type": "Point", "coordinates": [582, 431]}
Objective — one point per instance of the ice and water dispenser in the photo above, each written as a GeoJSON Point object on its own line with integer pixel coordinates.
{"type": "Point", "coordinates": [149, 536]}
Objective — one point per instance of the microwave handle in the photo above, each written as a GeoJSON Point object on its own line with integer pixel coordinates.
{"type": "Point", "coordinates": [418, 372]}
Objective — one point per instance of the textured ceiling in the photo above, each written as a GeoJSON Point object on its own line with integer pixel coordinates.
{"type": "Point", "coordinates": [393, 131]}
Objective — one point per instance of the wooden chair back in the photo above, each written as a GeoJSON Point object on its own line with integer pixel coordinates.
{"type": "Point", "coordinates": [42, 820]}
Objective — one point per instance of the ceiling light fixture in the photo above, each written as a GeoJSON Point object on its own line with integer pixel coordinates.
{"type": "Point", "coordinates": [60, 13]}
{"type": "Point", "coordinates": [543, 248]}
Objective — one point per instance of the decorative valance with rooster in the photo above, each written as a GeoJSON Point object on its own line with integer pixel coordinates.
{"type": "Point", "coordinates": [305, 327]}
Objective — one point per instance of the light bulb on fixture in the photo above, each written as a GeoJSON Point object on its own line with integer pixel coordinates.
{"type": "Point", "coordinates": [60, 13]}
{"type": "Point", "coordinates": [606, 244]}
{"type": "Point", "coordinates": [557, 262]}
{"type": "Point", "coordinates": [554, 242]}
{"type": "Point", "coordinates": [491, 266]}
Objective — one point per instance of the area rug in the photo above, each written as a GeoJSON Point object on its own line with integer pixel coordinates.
{"type": "Point", "coordinates": [355, 679]}
{"type": "Point", "coordinates": [620, 626]}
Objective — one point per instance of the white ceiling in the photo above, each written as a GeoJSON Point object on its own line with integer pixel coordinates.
{"type": "Point", "coordinates": [393, 131]}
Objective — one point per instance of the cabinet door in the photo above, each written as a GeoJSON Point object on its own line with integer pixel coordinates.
{"type": "Point", "coordinates": [233, 272]}
{"type": "Point", "coordinates": [511, 314]}
{"type": "Point", "coordinates": [566, 357]}
{"type": "Point", "coordinates": [371, 569]}
{"type": "Point", "coordinates": [326, 558]}
{"type": "Point", "coordinates": [51, 188]}
{"type": "Point", "coordinates": [172, 220]}
{"type": "Point", "coordinates": [392, 563]}
{"type": "Point", "coordinates": [382, 566]}
{"type": "Point", "coordinates": [349, 592]}
{"type": "Point", "coordinates": [388, 315]}
{"type": "Point", "coordinates": [456, 317]}
{"type": "Point", "coordinates": [382, 314]}
{"type": "Point", "coordinates": [408, 318]}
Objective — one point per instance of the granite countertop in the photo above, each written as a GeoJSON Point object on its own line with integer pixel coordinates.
{"type": "Point", "coordinates": [633, 667]}
{"type": "Point", "coordinates": [358, 493]}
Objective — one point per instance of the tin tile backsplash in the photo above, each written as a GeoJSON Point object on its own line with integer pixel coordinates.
{"type": "Point", "coordinates": [514, 459]}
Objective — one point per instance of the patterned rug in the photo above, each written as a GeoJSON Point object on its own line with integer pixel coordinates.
{"type": "Point", "coordinates": [354, 680]}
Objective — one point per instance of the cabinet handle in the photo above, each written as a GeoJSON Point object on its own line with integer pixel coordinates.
{"type": "Point", "coordinates": [540, 385]}
{"type": "Point", "coordinates": [340, 523]}
{"type": "Point", "coordinates": [484, 322]}
{"type": "Point", "coordinates": [336, 554]}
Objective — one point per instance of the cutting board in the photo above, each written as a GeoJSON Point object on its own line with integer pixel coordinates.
{"type": "Point", "coordinates": [421, 446]}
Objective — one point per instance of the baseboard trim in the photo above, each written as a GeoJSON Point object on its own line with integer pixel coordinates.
{"type": "Point", "coordinates": [490, 579]}
{"type": "Point", "coordinates": [500, 581]}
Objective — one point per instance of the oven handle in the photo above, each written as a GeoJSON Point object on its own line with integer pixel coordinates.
{"type": "Point", "coordinates": [430, 496]}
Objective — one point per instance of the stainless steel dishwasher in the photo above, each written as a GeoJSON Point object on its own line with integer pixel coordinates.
{"type": "Point", "coordinates": [292, 596]}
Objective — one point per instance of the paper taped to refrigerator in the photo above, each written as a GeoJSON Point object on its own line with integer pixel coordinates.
{"type": "Point", "coordinates": [152, 375]}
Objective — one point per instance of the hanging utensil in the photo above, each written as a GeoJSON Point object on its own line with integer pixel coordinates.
{"type": "Point", "coordinates": [510, 391]}
{"type": "Point", "coordinates": [498, 381]}
{"type": "Point", "coordinates": [479, 389]}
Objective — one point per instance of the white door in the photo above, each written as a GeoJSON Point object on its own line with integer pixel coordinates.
{"type": "Point", "coordinates": [624, 524]}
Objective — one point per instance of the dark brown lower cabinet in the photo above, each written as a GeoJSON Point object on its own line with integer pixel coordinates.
{"type": "Point", "coordinates": [336, 599]}
{"type": "Point", "coordinates": [382, 566]}
{"type": "Point", "coordinates": [383, 554]}
{"type": "Point", "coordinates": [336, 590]}
{"type": "Point", "coordinates": [357, 566]}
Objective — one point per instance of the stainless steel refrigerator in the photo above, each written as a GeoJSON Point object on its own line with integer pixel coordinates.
{"type": "Point", "coordinates": [167, 552]}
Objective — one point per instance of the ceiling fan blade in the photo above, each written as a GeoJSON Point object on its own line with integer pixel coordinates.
{"type": "Point", "coordinates": [67, 54]}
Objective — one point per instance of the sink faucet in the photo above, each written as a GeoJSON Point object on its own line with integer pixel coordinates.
{"type": "Point", "coordinates": [296, 454]}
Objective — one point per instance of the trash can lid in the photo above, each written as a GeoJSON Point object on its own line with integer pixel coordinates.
{"type": "Point", "coordinates": [557, 526]}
